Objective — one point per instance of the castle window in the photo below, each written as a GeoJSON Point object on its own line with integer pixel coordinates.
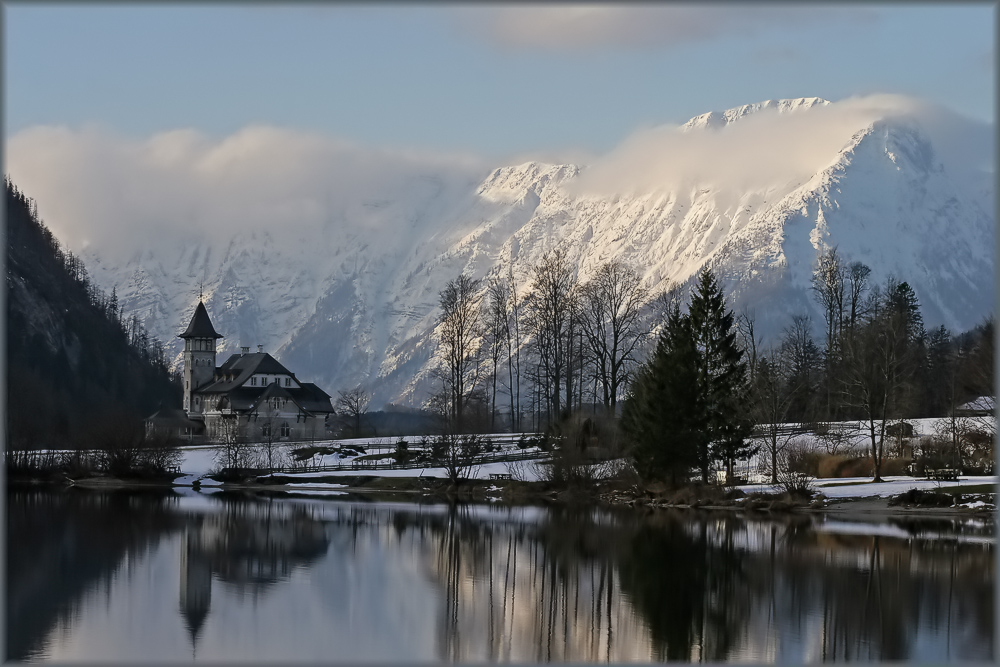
{"type": "Point", "coordinates": [285, 430]}
{"type": "Point", "coordinates": [253, 381]}
{"type": "Point", "coordinates": [288, 381]}
{"type": "Point", "coordinates": [265, 429]}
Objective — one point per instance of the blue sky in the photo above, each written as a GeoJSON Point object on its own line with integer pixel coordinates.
{"type": "Point", "coordinates": [493, 81]}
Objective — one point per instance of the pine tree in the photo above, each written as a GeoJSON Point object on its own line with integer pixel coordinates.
{"type": "Point", "coordinates": [661, 415]}
{"type": "Point", "coordinates": [689, 403]}
{"type": "Point", "coordinates": [721, 378]}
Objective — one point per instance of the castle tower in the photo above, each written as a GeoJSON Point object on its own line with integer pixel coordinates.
{"type": "Point", "coordinates": [199, 357]}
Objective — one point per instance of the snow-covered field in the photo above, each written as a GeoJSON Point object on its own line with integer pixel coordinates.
{"type": "Point", "coordinates": [198, 462]}
{"type": "Point", "coordinates": [863, 487]}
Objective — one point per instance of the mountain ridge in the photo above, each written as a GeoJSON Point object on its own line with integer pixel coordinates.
{"type": "Point", "coordinates": [356, 303]}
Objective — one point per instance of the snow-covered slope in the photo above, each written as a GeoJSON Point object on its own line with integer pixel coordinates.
{"type": "Point", "coordinates": [354, 299]}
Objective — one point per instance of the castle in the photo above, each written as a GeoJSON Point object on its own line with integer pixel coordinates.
{"type": "Point", "coordinates": [250, 396]}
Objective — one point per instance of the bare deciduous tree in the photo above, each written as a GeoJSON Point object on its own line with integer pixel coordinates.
{"type": "Point", "coordinates": [354, 404]}
{"type": "Point", "coordinates": [878, 364]}
{"type": "Point", "coordinates": [828, 284]}
{"type": "Point", "coordinates": [457, 455]}
{"type": "Point", "coordinates": [552, 314]}
{"type": "Point", "coordinates": [772, 394]}
{"type": "Point", "coordinates": [236, 450]}
{"type": "Point", "coordinates": [498, 333]}
{"type": "Point", "coordinates": [610, 316]}
{"type": "Point", "coordinates": [857, 279]}
{"type": "Point", "coordinates": [460, 338]}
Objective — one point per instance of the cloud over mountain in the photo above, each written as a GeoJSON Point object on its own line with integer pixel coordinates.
{"type": "Point", "coordinates": [115, 192]}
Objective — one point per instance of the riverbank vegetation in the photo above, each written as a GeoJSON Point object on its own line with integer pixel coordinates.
{"type": "Point", "coordinates": [683, 391]}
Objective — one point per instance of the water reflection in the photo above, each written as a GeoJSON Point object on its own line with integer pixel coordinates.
{"type": "Point", "coordinates": [281, 579]}
{"type": "Point", "coordinates": [247, 546]}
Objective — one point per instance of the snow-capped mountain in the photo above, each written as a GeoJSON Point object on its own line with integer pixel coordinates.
{"type": "Point", "coordinates": [354, 298]}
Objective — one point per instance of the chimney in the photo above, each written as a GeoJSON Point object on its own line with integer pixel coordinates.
{"type": "Point", "coordinates": [244, 351]}
{"type": "Point", "coordinates": [260, 349]}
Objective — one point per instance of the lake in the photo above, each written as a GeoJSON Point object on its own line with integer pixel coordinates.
{"type": "Point", "coordinates": [155, 576]}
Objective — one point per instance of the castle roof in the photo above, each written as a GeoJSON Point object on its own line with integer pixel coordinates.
{"type": "Point", "coordinates": [201, 325]}
{"type": "Point", "coordinates": [240, 367]}
{"type": "Point", "coordinates": [239, 397]}
{"type": "Point", "coordinates": [308, 397]}
{"type": "Point", "coordinates": [172, 417]}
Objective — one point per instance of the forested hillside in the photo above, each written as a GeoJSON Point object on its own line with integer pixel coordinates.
{"type": "Point", "coordinates": [75, 362]}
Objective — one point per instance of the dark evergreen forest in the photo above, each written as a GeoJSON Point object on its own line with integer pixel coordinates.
{"type": "Point", "coordinates": [76, 364]}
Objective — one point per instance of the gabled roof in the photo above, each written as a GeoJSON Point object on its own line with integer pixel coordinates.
{"type": "Point", "coordinates": [309, 398]}
{"type": "Point", "coordinates": [983, 405]}
{"type": "Point", "coordinates": [172, 417]}
{"type": "Point", "coordinates": [313, 399]}
{"type": "Point", "coordinates": [201, 325]}
{"type": "Point", "coordinates": [273, 390]}
{"type": "Point", "coordinates": [242, 366]}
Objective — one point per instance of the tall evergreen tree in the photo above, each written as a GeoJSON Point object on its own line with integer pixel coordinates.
{"type": "Point", "coordinates": [721, 377]}
{"type": "Point", "coordinates": [661, 415]}
{"type": "Point", "coordinates": [689, 403]}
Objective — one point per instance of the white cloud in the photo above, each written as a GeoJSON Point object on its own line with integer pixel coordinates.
{"type": "Point", "coordinates": [120, 193]}
{"type": "Point", "coordinates": [125, 194]}
{"type": "Point", "coordinates": [767, 149]}
{"type": "Point", "coordinates": [564, 26]}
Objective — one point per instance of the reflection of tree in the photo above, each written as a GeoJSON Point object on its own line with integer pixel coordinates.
{"type": "Point", "coordinates": [536, 584]}
{"type": "Point", "coordinates": [687, 587]}
{"type": "Point", "coordinates": [540, 589]}
{"type": "Point", "coordinates": [59, 545]}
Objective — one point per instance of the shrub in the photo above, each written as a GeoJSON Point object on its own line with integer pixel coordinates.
{"type": "Point", "coordinates": [803, 461]}
{"type": "Point", "coordinates": [795, 483]}
{"type": "Point", "coordinates": [830, 465]}
{"type": "Point", "coordinates": [923, 499]}
{"type": "Point", "coordinates": [402, 454]}
{"type": "Point", "coordinates": [896, 466]}
{"type": "Point", "coordinates": [857, 467]}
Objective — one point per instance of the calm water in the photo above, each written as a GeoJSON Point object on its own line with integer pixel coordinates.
{"type": "Point", "coordinates": [140, 577]}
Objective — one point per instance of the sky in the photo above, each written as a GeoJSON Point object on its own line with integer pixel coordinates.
{"type": "Point", "coordinates": [493, 81]}
{"type": "Point", "coordinates": [141, 117]}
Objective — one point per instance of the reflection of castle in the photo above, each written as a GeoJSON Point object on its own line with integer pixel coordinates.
{"type": "Point", "coordinates": [196, 583]}
{"type": "Point", "coordinates": [241, 548]}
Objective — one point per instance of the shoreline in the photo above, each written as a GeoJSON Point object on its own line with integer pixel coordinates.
{"type": "Point", "coordinates": [520, 493]}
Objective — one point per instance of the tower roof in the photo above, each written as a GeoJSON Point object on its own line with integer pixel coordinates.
{"type": "Point", "coordinates": [201, 325]}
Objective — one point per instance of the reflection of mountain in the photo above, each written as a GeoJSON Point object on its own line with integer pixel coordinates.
{"type": "Point", "coordinates": [62, 545]}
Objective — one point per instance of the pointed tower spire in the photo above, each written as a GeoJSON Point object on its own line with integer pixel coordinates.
{"type": "Point", "coordinates": [201, 325]}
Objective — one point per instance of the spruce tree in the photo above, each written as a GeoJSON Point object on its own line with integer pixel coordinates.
{"type": "Point", "coordinates": [661, 412]}
{"type": "Point", "coordinates": [721, 378]}
{"type": "Point", "coordinates": [689, 404]}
